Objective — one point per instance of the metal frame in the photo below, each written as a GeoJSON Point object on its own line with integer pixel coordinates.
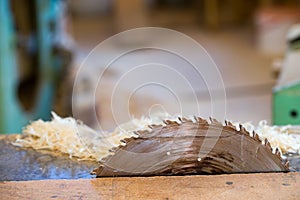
{"type": "Point", "coordinates": [12, 115]}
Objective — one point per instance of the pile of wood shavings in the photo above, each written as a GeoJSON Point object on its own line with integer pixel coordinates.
{"type": "Point", "coordinates": [60, 134]}
{"type": "Point", "coordinates": [72, 137]}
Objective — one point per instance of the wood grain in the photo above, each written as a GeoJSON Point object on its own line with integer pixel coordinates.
{"type": "Point", "coordinates": [234, 186]}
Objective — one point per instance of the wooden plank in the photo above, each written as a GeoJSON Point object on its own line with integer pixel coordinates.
{"type": "Point", "coordinates": [234, 186]}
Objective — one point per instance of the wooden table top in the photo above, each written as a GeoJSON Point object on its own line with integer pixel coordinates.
{"type": "Point", "coordinates": [234, 186]}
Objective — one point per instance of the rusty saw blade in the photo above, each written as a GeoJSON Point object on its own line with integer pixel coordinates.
{"type": "Point", "coordinates": [191, 146]}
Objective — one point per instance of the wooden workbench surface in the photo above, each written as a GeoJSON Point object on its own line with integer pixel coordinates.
{"type": "Point", "coordinates": [234, 186]}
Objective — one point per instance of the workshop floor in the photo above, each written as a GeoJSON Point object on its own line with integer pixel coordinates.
{"type": "Point", "coordinates": [246, 73]}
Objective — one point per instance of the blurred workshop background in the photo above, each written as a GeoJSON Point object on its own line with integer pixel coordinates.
{"type": "Point", "coordinates": [44, 42]}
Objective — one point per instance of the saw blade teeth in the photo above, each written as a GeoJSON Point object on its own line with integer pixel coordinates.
{"type": "Point", "coordinates": [115, 148]}
{"type": "Point", "coordinates": [248, 133]}
{"type": "Point", "coordinates": [278, 154]}
{"type": "Point", "coordinates": [177, 122]}
{"type": "Point", "coordinates": [141, 132]}
{"type": "Point", "coordinates": [156, 126]}
{"type": "Point", "coordinates": [192, 119]}
{"type": "Point", "coordinates": [202, 121]}
{"type": "Point", "coordinates": [243, 130]}
{"type": "Point", "coordinates": [256, 137]}
{"type": "Point", "coordinates": [196, 118]}
{"type": "Point", "coordinates": [136, 134]}
{"type": "Point", "coordinates": [123, 142]}
{"type": "Point", "coordinates": [214, 121]}
{"type": "Point", "coordinates": [111, 150]}
{"type": "Point", "coordinates": [231, 125]}
{"type": "Point", "coordinates": [171, 122]}
{"type": "Point", "coordinates": [184, 119]}
{"type": "Point", "coordinates": [267, 144]}
{"type": "Point", "coordinates": [127, 140]}
{"type": "Point", "coordinates": [226, 122]}
{"type": "Point", "coordinates": [180, 119]}
{"type": "Point", "coordinates": [241, 127]}
{"type": "Point", "coordinates": [231, 128]}
{"type": "Point", "coordinates": [94, 172]}
{"type": "Point", "coordinates": [166, 122]}
{"type": "Point", "coordinates": [287, 164]}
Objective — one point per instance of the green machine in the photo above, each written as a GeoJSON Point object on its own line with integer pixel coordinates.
{"type": "Point", "coordinates": [37, 19]}
{"type": "Point", "coordinates": [286, 102]}
{"type": "Point", "coordinates": [286, 94]}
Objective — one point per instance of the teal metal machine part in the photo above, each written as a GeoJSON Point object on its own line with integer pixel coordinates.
{"type": "Point", "coordinates": [12, 115]}
{"type": "Point", "coordinates": [286, 105]}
